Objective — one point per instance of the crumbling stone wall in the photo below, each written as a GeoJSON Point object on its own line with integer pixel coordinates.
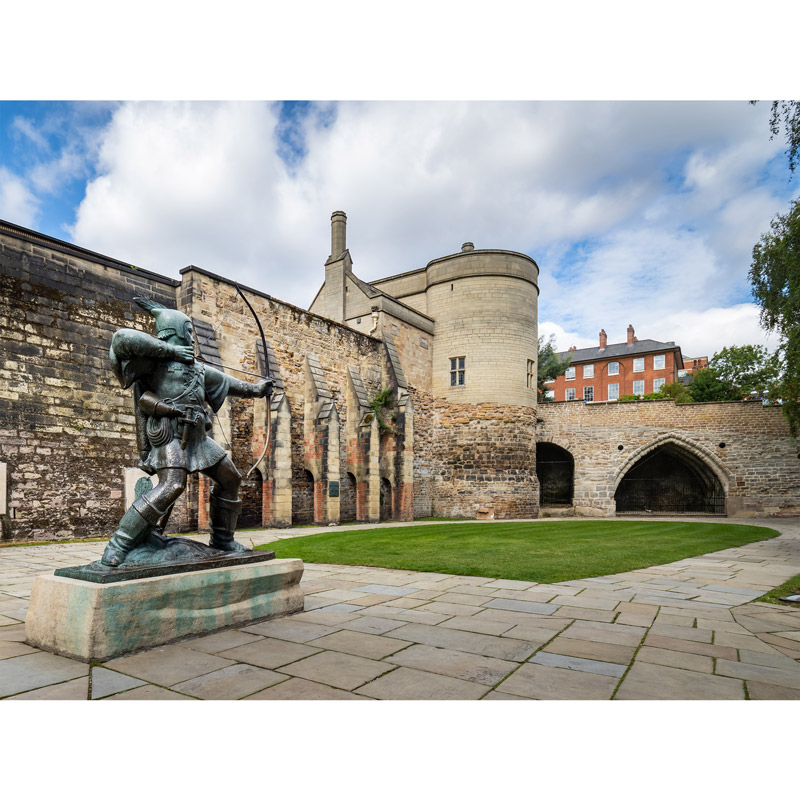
{"type": "Point", "coordinates": [746, 445]}
{"type": "Point", "coordinates": [474, 460]}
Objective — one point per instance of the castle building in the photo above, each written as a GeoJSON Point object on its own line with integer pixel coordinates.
{"type": "Point", "coordinates": [409, 396]}
{"type": "Point", "coordinates": [611, 371]}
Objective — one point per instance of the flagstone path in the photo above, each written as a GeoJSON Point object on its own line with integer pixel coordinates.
{"type": "Point", "coordinates": [681, 631]}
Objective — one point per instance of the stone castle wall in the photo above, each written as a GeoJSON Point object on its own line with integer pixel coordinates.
{"type": "Point", "coordinates": [66, 426]}
{"type": "Point", "coordinates": [746, 445]}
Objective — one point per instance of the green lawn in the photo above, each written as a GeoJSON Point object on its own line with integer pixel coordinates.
{"type": "Point", "coordinates": [543, 552]}
{"type": "Point", "coordinates": [792, 586]}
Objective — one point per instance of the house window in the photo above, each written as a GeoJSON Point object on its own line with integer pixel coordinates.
{"type": "Point", "coordinates": [659, 362]}
{"type": "Point", "coordinates": [457, 371]}
{"type": "Point", "coordinates": [569, 394]}
{"type": "Point", "coordinates": [658, 383]}
{"type": "Point", "coordinates": [569, 375]}
{"type": "Point", "coordinates": [550, 394]}
{"type": "Point", "coordinates": [638, 365]}
{"type": "Point", "coordinates": [613, 391]}
{"type": "Point", "coordinates": [638, 388]}
{"type": "Point", "coordinates": [588, 370]}
{"type": "Point", "coordinates": [531, 374]}
{"type": "Point", "coordinates": [613, 367]}
{"type": "Point", "coordinates": [588, 393]}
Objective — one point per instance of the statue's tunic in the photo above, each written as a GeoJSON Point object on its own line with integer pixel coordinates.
{"type": "Point", "coordinates": [174, 442]}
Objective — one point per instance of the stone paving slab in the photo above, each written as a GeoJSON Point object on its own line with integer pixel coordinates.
{"type": "Point", "coordinates": [360, 644]}
{"type": "Point", "coordinates": [478, 643]}
{"type": "Point", "coordinates": [168, 665]}
{"type": "Point", "coordinates": [756, 672]}
{"type": "Point", "coordinates": [674, 658]}
{"type": "Point", "coordinates": [605, 632]}
{"type": "Point", "coordinates": [12, 649]}
{"type": "Point", "coordinates": [290, 630]}
{"type": "Point", "coordinates": [106, 682]}
{"type": "Point", "coordinates": [476, 625]}
{"type": "Point", "coordinates": [76, 689]}
{"type": "Point", "coordinates": [340, 670]}
{"type": "Point", "coordinates": [598, 651]}
{"type": "Point", "coordinates": [149, 692]}
{"type": "Point", "coordinates": [686, 646]}
{"type": "Point", "coordinates": [655, 682]}
{"type": "Point", "coordinates": [300, 689]}
{"type": "Point", "coordinates": [33, 671]}
{"type": "Point", "coordinates": [412, 684]}
{"type": "Point", "coordinates": [374, 625]}
{"type": "Point", "coordinates": [523, 606]}
{"type": "Point", "coordinates": [230, 683]}
{"type": "Point", "coordinates": [269, 653]}
{"type": "Point", "coordinates": [768, 691]}
{"type": "Point", "coordinates": [454, 663]}
{"type": "Point", "coordinates": [541, 682]}
{"type": "Point", "coordinates": [579, 664]}
{"type": "Point", "coordinates": [215, 642]}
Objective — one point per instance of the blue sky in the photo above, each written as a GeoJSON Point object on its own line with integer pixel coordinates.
{"type": "Point", "coordinates": [636, 212]}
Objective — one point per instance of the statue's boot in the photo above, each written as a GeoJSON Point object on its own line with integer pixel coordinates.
{"type": "Point", "coordinates": [224, 514]}
{"type": "Point", "coordinates": [133, 529]}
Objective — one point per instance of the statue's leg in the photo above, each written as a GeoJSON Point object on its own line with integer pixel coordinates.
{"type": "Point", "coordinates": [144, 514]}
{"type": "Point", "coordinates": [225, 505]}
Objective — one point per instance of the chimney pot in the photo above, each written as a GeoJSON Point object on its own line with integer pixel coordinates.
{"type": "Point", "coordinates": [603, 338]}
{"type": "Point", "coordinates": [467, 246]}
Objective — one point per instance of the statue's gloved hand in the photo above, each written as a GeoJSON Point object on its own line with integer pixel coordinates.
{"type": "Point", "coordinates": [183, 353]}
{"type": "Point", "coordinates": [264, 388]}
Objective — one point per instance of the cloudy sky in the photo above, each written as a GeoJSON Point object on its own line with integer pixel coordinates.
{"type": "Point", "coordinates": [636, 212]}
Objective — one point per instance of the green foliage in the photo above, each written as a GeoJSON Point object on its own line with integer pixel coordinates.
{"type": "Point", "coordinates": [382, 405]}
{"type": "Point", "coordinates": [628, 398]}
{"type": "Point", "coordinates": [549, 366]}
{"type": "Point", "coordinates": [677, 391]}
{"type": "Point", "coordinates": [735, 372]}
{"type": "Point", "coordinates": [706, 387]}
{"type": "Point", "coordinates": [775, 275]}
{"type": "Point", "coordinates": [543, 551]}
{"type": "Point", "coordinates": [775, 270]}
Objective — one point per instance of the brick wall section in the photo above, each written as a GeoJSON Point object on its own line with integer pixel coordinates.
{"type": "Point", "coordinates": [66, 427]}
{"type": "Point", "coordinates": [758, 466]}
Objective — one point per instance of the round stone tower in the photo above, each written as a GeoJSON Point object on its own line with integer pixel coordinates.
{"type": "Point", "coordinates": [486, 343]}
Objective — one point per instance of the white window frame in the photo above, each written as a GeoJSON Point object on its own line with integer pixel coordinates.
{"type": "Point", "coordinates": [638, 364]}
{"type": "Point", "coordinates": [638, 388]}
{"type": "Point", "coordinates": [569, 374]}
{"type": "Point", "coordinates": [613, 391]}
{"type": "Point", "coordinates": [458, 372]}
{"type": "Point", "coordinates": [613, 367]}
{"type": "Point", "coordinates": [658, 383]}
{"type": "Point", "coordinates": [590, 390]}
{"type": "Point", "coordinates": [660, 362]}
{"type": "Point", "coordinates": [568, 392]}
{"type": "Point", "coordinates": [588, 370]}
{"type": "Point", "coordinates": [550, 394]}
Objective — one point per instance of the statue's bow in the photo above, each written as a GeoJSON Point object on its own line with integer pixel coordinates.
{"type": "Point", "coordinates": [267, 375]}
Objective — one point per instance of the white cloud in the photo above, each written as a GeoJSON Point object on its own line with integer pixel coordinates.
{"type": "Point", "coordinates": [17, 203]}
{"type": "Point", "coordinates": [635, 212]}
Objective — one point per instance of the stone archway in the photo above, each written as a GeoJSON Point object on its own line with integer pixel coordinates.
{"type": "Point", "coordinates": [555, 469]}
{"type": "Point", "coordinates": [386, 499]}
{"type": "Point", "coordinates": [347, 498]}
{"type": "Point", "coordinates": [672, 475]}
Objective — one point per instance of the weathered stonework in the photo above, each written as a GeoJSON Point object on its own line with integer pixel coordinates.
{"type": "Point", "coordinates": [745, 445]}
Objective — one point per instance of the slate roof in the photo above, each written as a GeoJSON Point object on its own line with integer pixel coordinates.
{"type": "Point", "coordinates": [619, 350]}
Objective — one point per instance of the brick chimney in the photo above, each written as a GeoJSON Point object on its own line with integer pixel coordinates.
{"type": "Point", "coordinates": [572, 347]}
{"type": "Point", "coordinates": [603, 338]}
{"type": "Point", "coordinates": [631, 337]}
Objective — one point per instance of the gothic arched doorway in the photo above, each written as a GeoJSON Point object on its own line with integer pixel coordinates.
{"type": "Point", "coordinates": [670, 480]}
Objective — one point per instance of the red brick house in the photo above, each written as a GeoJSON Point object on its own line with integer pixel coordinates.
{"type": "Point", "coordinates": [610, 371]}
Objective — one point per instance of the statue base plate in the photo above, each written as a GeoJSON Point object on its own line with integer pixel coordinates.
{"type": "Point", "coordinates": [184, 559]}
{"type": "Point", "coordinates": [94, 621]}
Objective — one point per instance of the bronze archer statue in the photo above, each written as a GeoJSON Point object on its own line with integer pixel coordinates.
{"type": "Point", "coordinates": [172, 394]}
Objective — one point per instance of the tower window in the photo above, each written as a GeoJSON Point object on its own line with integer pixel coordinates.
{"type": "Point", "coordinates": [457, 371]}
{"type": "Point", "coordinates": [531, 374]}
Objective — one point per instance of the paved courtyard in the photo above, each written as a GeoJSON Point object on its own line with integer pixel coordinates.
{"type": "Point", "coordinates": [681, 631]}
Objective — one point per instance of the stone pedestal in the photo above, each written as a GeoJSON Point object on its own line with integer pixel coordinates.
{"type": "Point", "coordinates": [96, 622]}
